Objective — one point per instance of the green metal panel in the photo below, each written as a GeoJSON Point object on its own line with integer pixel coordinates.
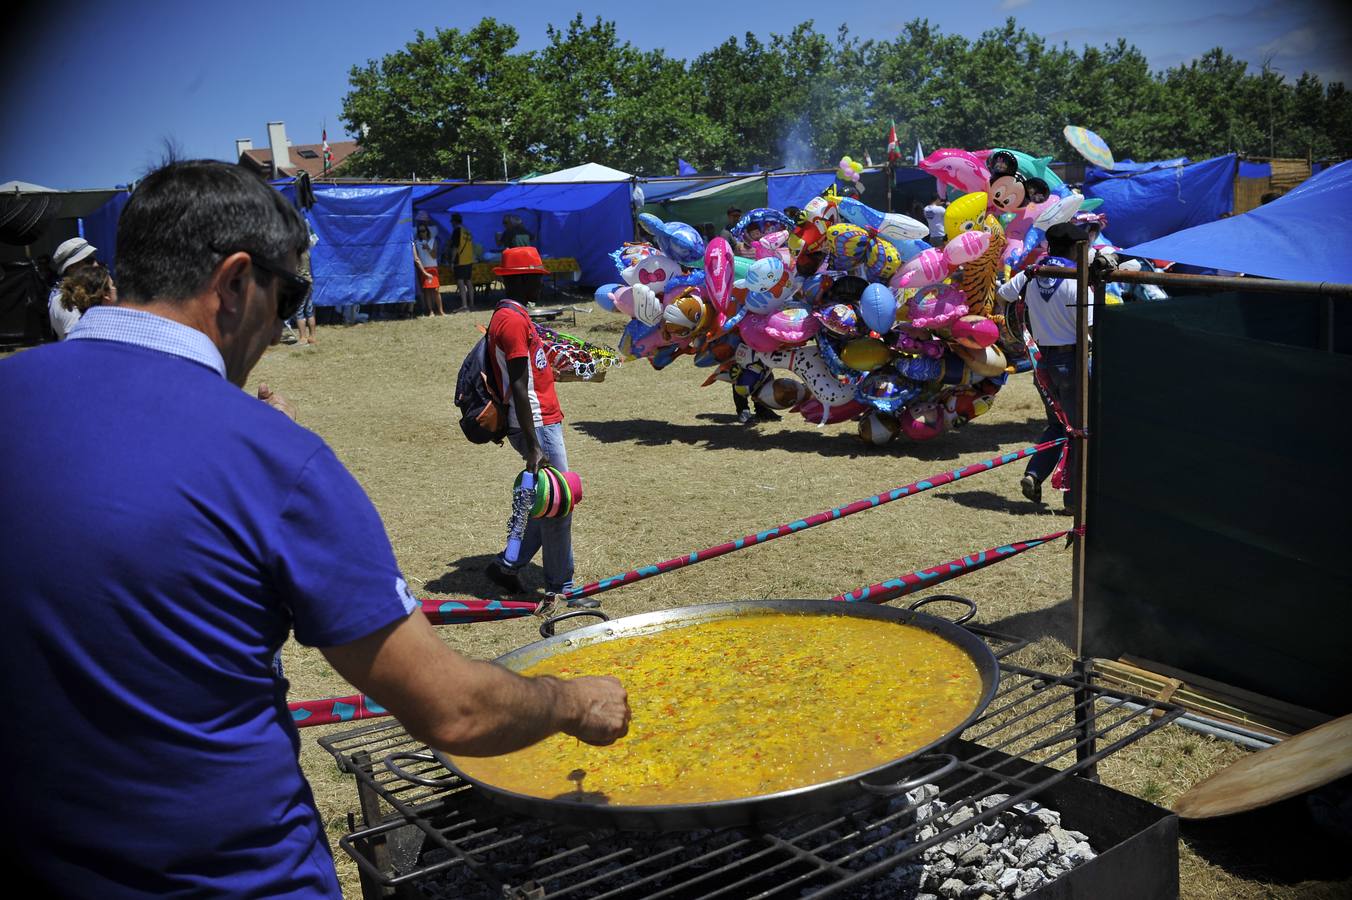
{"type": "Point", "coordinates": [1220, 496]}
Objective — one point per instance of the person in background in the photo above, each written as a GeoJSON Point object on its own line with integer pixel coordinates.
{"type": "Point", "coordinates": [69, 257]}
{"type": "Point", "coordinates": [462, 259]}
{"type": "Point", "coordinates": [514, 233]}
{"type": "Point", "coordinates": [734, 215]}
{"type": "Point", "coordinates": [210, 525]}
{"type": "Point", "coordinates": [934, 217]}
{"type": "Point", "coordinates": [87, 286]}
{"type": "Point", "coordinates": [425, 258]}
{"type": "Point", "coordinates": [1051, 309]}
{"type": "Point", "coordinates": [534, 417]}
{"type": "Point", "coordinates": [305, 316]}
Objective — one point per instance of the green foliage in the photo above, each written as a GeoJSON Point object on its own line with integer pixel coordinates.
{"type": "Point", "coordinates": [804, 99]}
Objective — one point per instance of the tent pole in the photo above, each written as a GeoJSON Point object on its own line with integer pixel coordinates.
{"type": "Point", "coordinates": [1082, 447]}
{"type": "Point", "coordinates": [890, 179]}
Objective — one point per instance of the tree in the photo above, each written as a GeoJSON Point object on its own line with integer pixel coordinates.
{"type": "Point", "coordinates": [424, 109]}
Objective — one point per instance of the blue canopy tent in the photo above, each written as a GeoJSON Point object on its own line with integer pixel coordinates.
{"type": "Point", "coordinates": [1303, 235]}
{"type": "Point", "coordinates": [1149, 200]}
{"type": "Point", "coordinates": [583, 220]}
{"type": "Point", "coordinates": [364, 253]}
{"type": "Point", "coordinates": [439, 203]}
{"type": "Point", "coordinates": [797, 190]}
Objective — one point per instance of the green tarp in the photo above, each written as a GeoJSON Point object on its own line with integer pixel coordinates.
{"type": "Point", "coordinates": [1219, 493]}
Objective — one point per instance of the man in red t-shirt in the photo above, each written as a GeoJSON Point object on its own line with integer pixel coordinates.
{"type": "Point", "coordinates": [534, 419]}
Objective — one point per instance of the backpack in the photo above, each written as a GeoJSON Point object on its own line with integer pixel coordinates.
{"type": "Point", "coordinates": [483, 409]}
{"type": "Point", "coordinates": [483, 416]}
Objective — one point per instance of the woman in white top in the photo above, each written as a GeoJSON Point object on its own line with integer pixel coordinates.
{"type": "Point", "coordinates": [429, 280]}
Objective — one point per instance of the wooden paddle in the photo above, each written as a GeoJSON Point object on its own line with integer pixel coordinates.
{"type": "Point", "coordinates": [1309, 760]}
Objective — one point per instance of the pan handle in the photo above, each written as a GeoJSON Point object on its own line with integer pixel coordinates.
{"type": "Point", "coordinates": [547, 626]}
{"type": "Point", "coordinates": [417, 779]}
{"type": "Point", "coordinates": [952, 598]}
{"type": "Point", "coordinates": [950, 762]}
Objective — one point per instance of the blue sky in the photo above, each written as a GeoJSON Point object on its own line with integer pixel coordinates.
{"type": "Point", "coordinates": [91, 90]}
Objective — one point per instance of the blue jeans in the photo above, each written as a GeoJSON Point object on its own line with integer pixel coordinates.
{"type": "Point", "coordinates": [554, 535]}
{"type": "Point", "coordinates": [1059, 367]}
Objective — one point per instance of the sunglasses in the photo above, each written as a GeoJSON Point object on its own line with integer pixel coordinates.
{"type": "Point", "coordinates": [291, 287]}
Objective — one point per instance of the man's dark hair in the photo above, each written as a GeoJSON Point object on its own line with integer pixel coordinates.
{"type": "Point", "coordinates": [185, 217]}
{"type": "Point", "coordinates": [1061, 238]}
{"type": "Point", "coordinates": [455, 217]}
{"type": "Point", "coordinates": [523, 288]}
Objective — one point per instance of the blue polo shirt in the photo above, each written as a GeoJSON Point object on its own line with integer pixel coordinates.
{"type": "Point", "coordinates": [161, 531]}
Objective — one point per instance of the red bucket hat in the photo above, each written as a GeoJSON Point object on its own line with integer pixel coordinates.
{"type": "Point", "coordinates": [521, 261]}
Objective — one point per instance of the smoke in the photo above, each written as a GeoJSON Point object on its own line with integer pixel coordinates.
{"type": "Point", "coordinates": [794, 151]}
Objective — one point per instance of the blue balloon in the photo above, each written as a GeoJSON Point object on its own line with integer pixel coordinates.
{"type": "Point", "coordinates": [920, 368]}
{"type": "Point", "coordinates": [689, 279]}
{"type": "Point", "coordinates": [602, 296]}
{"type": "Point", "coordinates": [675, 239]}
{"type": "Point", "coordinates": [879, 308]}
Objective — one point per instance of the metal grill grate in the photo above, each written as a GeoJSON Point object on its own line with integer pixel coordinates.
{"type": "Point", "coordinates": [426, 829]}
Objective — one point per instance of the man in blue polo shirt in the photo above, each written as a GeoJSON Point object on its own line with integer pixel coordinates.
{"type": "Point", "coordinates": [163, 531]}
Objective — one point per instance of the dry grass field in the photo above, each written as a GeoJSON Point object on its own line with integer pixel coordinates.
{"type": "Point", "coordinates": [668, 470]}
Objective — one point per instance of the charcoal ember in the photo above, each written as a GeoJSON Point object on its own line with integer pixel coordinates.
{"type": "Point", "coordinates": [1064, 840]}
{"type": "Point", "coordinates": [981, 890]}
{"type": "Point", "coordinates": [992, 800]}
{"type": "Point", "coordinates": [959, 844]}
{"type": "Point", "coordinates": [992, 871]}
{"type": "Point", "coordinates": [952, 889]}
{"type": "Point", "coordinates": [959, 815]}
{"type": "Point", "coordinates": [943, 866]}
{"type": "Point", "coordinates": [967, 874]}
{"type": "Point", "coordinates": [1037, 849]}
{"type": "Point", "coordinates": [1009, 855]}
{"type": "Point", "coordinates": [924, 811]}
{"type": "Point", "coordinates": [1081, 852]}
{"type": "Point", "coordinates": [1048, 817]}
{"type": "Point", "coordinates": [992, 832]}
{"type": "Point", "coordinates": [922, 794]}
{"type": "Point", "coordinates": [975, 855]}
{"type": "Point", "coordinates": [1053, 871]}
{"type": "Point", "coordinates": [926, 897]}
{"type": "Point", "coordinates": [1008, 880]}
{"type": "Point", "coordinates": [1078, 835]}
{"type": "Point", "coordinates": [925, 833]}
{"type": "Point", "coordinates": [1029, 880]}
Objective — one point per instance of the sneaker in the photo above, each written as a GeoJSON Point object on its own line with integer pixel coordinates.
{"type": "Point", "coordinates": [1031, 489]}
{"type": "Point", "coordinates": [746, 417]}
{"type": "Point", "coordinates": [504, 578]}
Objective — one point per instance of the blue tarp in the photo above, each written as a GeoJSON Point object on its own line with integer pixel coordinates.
{"type": "Point", "coordinates": [583, 220]}
{"type": "Point", "coordinates": [797, 190]}
{"type": "Point", "coordinates": [1301, 236]}
{"type": "Point", "coordinates": [365, 249]}
{"type": "Point", "coordinates": [1156, 199]}
{"type": "Point", "coordinates": [657, 190]}
{"type": "Point", "coordinates": [1255, 170]}
{"type": "Point", "coordinates": [440, 203]}
{"type": "Point", "coordinates": [100, 229]}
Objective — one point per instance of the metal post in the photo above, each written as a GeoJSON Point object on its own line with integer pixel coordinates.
{"type": "Point", "coordinates": [1080, 446]}
{"type": "Point", "coordinates": [891, 176]}
{"type": "Point", "coordinates": [1084, 706]}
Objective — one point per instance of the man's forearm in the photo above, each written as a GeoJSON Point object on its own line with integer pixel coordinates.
{"type": "Point", "coordinates": [503, 712]}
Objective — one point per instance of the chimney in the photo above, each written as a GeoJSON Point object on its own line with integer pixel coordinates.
{"type": "Point", "coordinates": [241, 145]}
{"type": "Point", "coordinates": [278, 142]}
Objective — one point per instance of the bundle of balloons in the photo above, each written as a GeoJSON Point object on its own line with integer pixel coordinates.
{"type": "Point", "coordinates": [847, 313]}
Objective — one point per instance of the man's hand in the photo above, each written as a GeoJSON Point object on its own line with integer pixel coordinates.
{"type": "Point", "coordinates": [277, 401]}
{"type": "Point", "coordinates": [603, 709]}
{"type": "Point", "coordinates": [535, 457]}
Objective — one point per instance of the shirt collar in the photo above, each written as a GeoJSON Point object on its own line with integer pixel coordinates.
{"type": "Point", "coordinates": [144, 329]}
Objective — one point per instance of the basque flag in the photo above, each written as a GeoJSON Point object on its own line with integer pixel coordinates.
{"type": "Point", "coordinates": [893, 151]}
{"type": "Point", "coordinates": [328, 154]}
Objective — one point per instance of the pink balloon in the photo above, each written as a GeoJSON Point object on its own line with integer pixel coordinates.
{"type": "Point", "coordinates": [977, 332]}
{"type": "Point", "coordinates": [930, 267]}
{"type": "Point", "coordinates": [967, 246]}
{"type": "Point", "coordinates": [958, 168]}
{"type": "Point", "coordinates": [938, 310]}
{"type": "Point", "coordinates": [718, 273]}
{"type": "Point", "coordinates": [624, 300]}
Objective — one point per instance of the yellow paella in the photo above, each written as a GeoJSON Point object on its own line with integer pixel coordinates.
{"type": "Point", "coordinates": [748, 706]}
